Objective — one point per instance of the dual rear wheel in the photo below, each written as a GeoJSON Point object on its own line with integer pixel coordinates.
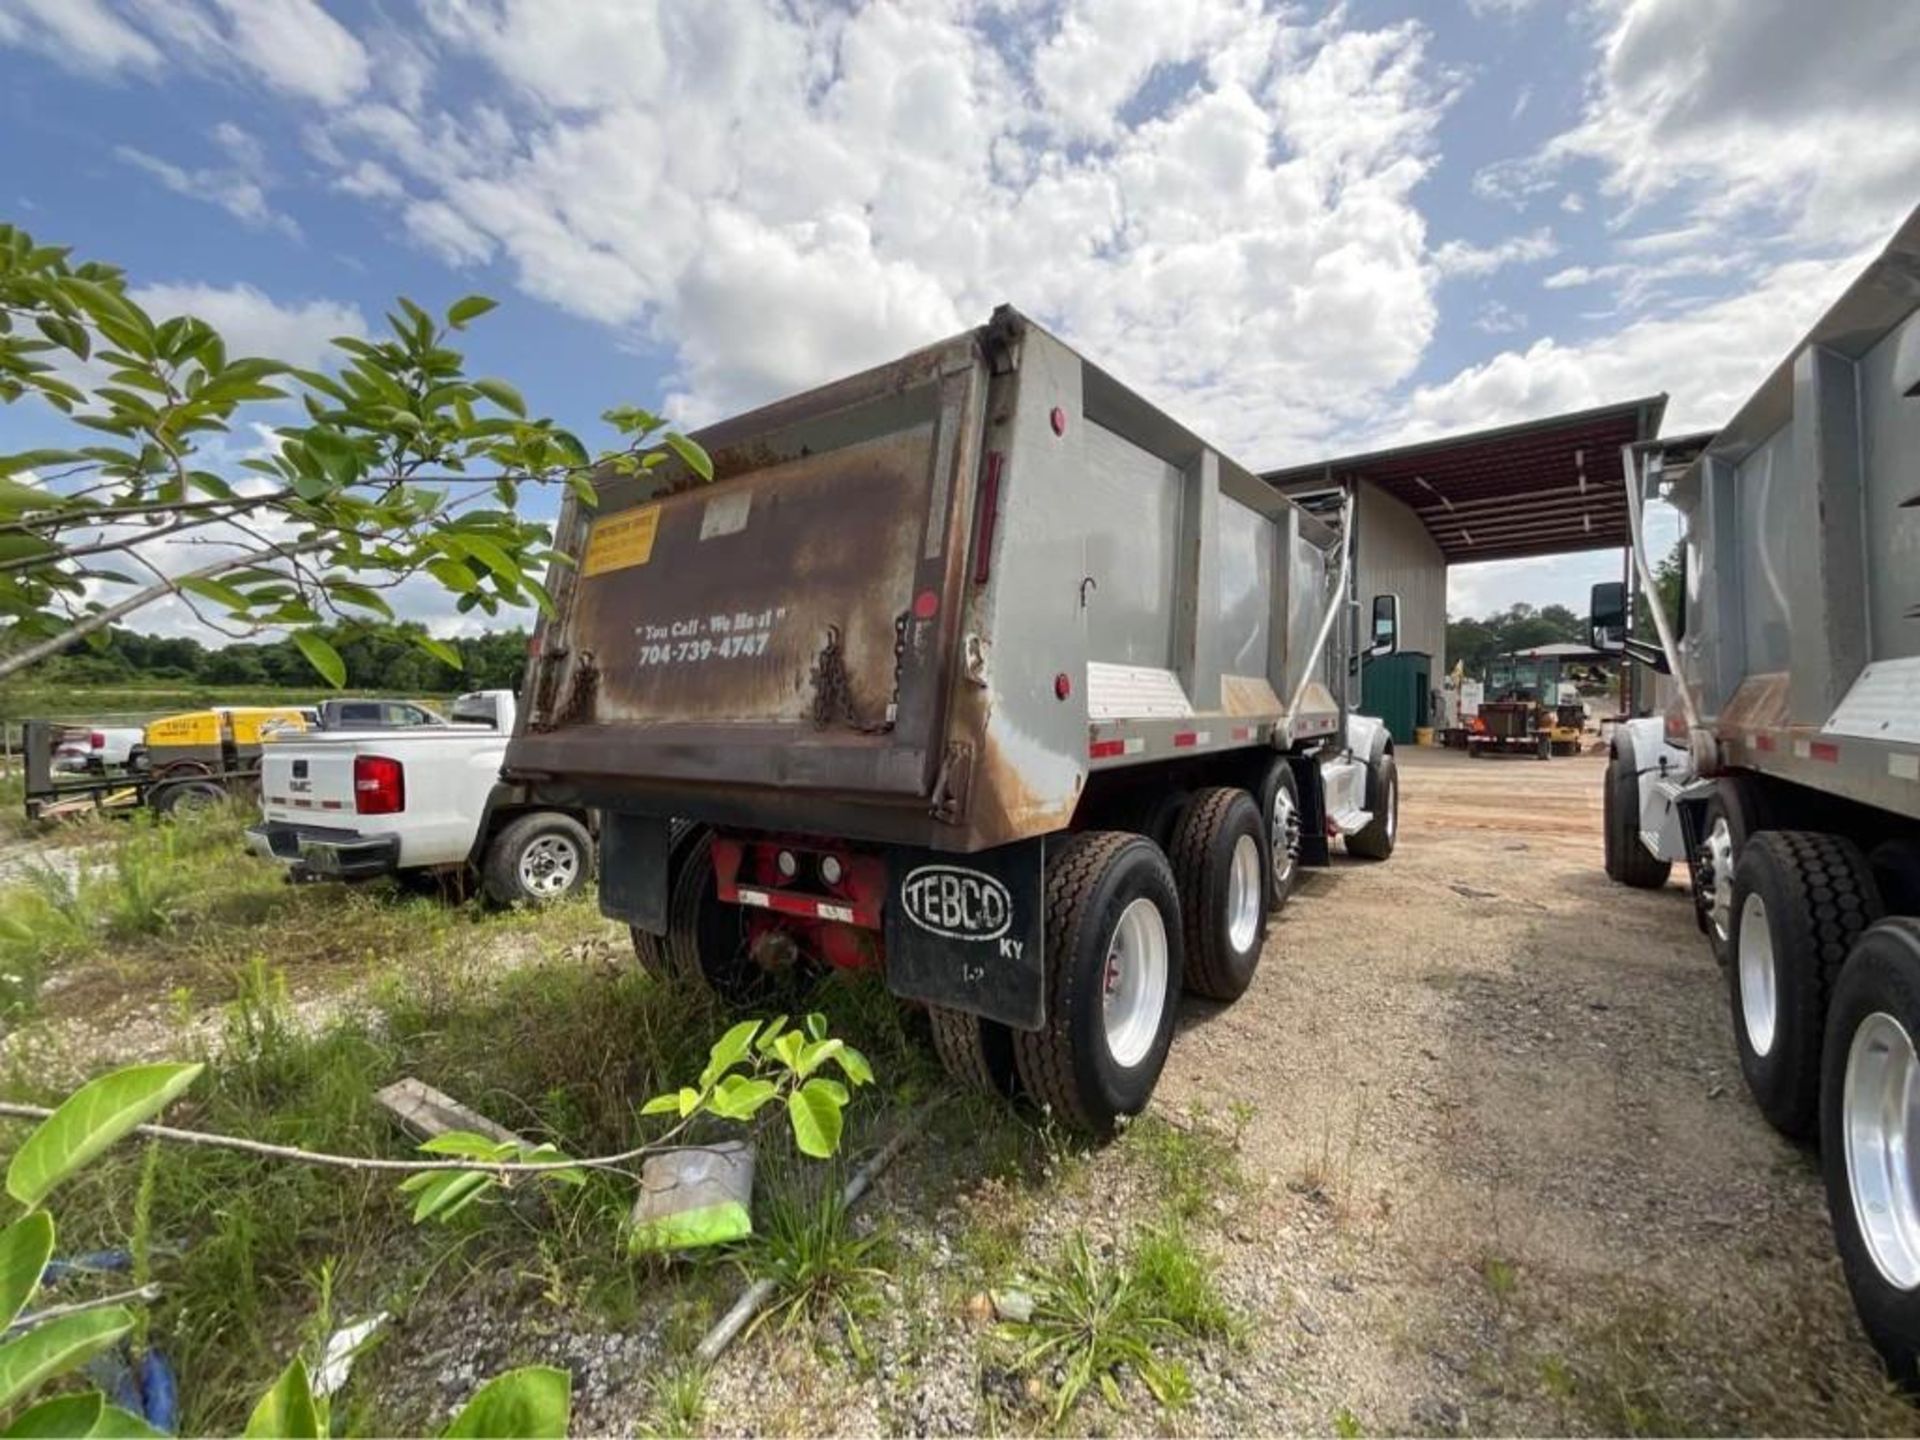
{"type": "Point", "coordinates": [1128, 925]}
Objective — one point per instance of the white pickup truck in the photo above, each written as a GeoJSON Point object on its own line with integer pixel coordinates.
{"type": "Point", "coordinates": [354, 804]}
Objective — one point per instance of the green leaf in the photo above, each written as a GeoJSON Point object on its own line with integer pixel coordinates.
{"type": "Point", "coordinates": [817, 1025]}
{"type": "Point", "coordinates": [323, 657]}
{"type": "Point", "coordinates": [349, 592]}
{"type": "Point", "coordinates": [25, 1247]}
{"type": "Point", "coordinates": [470, 308]}
{"type": "Point", "coordinates": [217, 591]}
{"type": "Point", "coordinates": [35, 459]}
{"type": "Point", "coordinates": [854, 1065]}
{"type": "Point", "coordinates": [57, 1347]}
{"type": "Point", "coordinates": [441, 651]}
{"type": "Point", "coordinates": [689, 451]}
{"type": "Point", "coordinates": [68, 1417]}
{"type": "Point", "coordinates": [815, 1113]}
{"type": "Point", "coordinates": [728, 1051]}
{"type": "Point", "coordinates": [739, 1098]}
{"type": "Point", "coordinates": [775, 1028]}
{"type": "Point", "coordinates": [662, 1105]}
{"type": "Point", "coordinates": [287, 1409]}
{"type": "Point", "coordinates": [449, 1192]}
{"type": "Point", "coordinates": [118, 1424]}
{"type": "Point", "coordinates": [533, 1402]}
{"type": "Point", "coordinates": [813, 1056]}
{"type": "Point", "coordinates": [17, 499]}
{"type": "Point", "coordinates": [489, 554]}
{"type": "Point", "coordinates": [92, 1118]}
{"type": "Point", "coordinates": [503, 395]}
{"type": "Point", "coordinates": [454, 575]}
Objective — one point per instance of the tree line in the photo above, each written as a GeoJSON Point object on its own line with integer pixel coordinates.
{"type": "Point", "coordinates": [386, 658]}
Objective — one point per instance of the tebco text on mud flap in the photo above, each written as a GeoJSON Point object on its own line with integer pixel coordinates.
{"type": "Point", "coordinates": [960, 904]}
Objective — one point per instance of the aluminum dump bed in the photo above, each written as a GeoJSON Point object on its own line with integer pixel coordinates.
{"type": "Point", "coordinates": [923, 604]}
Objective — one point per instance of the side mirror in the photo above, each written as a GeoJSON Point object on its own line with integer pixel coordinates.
{"type": "Point", "coordinates": [1385, 639]}
{"type": "Point", "coordinates": [1607, 617]}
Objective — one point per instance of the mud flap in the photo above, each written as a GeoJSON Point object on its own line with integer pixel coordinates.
{"type": "Point", "coordinates": [633, 869]}
{"type": "Point", "coordinates": [968, 931]}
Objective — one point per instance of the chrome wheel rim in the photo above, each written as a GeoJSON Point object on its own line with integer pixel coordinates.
{"type": "Point", "coordinates": [1880, 1107]}
{"type": "Point", "coordinates": [549, 865]}
{"type": "Point", "coordinates": [1718, 849]}
{"type": "Point", "coordinates": [1393, 806]}
{"type": "Point", "coordinates": [1283, 836]}
{"type": "Point", "coordinates": [1134, 988]}
{"type": "Point", "coordinates": [1758, 988]}
{"type": "Point", "coordinates": [1245, 897]}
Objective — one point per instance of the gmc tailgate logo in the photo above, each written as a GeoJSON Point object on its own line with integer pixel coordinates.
{"type": "Point", "coordinates": [956, 903]}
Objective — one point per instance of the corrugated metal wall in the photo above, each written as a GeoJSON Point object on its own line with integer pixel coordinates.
{"type": "Point", "coordinates": [1397, 555]}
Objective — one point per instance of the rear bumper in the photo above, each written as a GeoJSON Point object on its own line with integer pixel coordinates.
{"type": "Point", "coordinates": [342, 854]}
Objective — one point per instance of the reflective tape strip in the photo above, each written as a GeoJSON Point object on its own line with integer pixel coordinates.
{"type": "Point", "coordinates": [1763, 742]}
{"type": "Point", "coordinates": [803, 905]}
{"type": "Point", "coordinates": [1189, 739]}
{"type": "Point", "coordinates": [1105, 749]}
{"type": "Point", "coordinates": [1904, 767]}
{"type": "Point", "coordinates": [1824, 750]}
{"type": "Point", "coordinates": [842, 913]}
{"type": "Point", "coordinates": [1242, 732]}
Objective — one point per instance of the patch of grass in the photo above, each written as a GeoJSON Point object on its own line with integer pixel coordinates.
{"type": "Point", "coordinates": [820, 1268]}
{"type": "Point", "coordinates": [1177, 1282]}
{"type": "Point", "coordinates": [1500, 1276]}
{"type": "Point", "coordinates": [1095, 1317]}
{"type": "Point", "coordinates": [1195, 1169]}
{"type": "Point", "coordinates": [679, 1403]}
{"type": "Point", "coordinates": [1347, 1425]}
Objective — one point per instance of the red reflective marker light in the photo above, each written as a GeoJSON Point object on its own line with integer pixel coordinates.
{"type": "Point", "coordinates": [926, 605]}
{"type": "Point", "coordinates": [1062, 685]}
{"type": "Point", "coordinates": [379, 785]}
{"type": "Point", "coordinates": [1059, 418]}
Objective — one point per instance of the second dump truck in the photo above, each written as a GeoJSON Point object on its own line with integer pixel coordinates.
{"type": "Point", "coordinates": [977, 669]}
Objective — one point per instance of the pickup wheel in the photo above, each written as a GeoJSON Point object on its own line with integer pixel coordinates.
{"type": "Point", "coordinates": [974, 1050]}
{"type": "Point", "coordinates": [1114, 960]}
{"type": "Point", "coordinates": [1800, 900]}
{"type": "Point", "coordinates": [1220, 867]}
{"type": "Point", "coordinates": [537, 858]}
{"type": "Point", "coordinates": [1375, 839]}
{"type": "Point", "coordinates": [1869, 1131]}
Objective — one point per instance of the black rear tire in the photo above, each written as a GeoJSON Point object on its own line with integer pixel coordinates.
{"type": "Point", "coordinates": [1283, 833]}
{"type": "Point", "coordinates": [974, 1050]}
{"type": "Point", "coordinates": [1209, 834]}
{"type": "Point", "coordinates": [183, 797]}
{"type": "Point", "coordinates": [1800, 899]}
{"type": "Point", "coordinates": [650, 950]}
{"type": "Point", "coordinates": [1628, 861]}
{"type": "Point", "coordinates": [1881, 978]}
{"type": "Point", "coordinates": [1740, 806]}
{"type": "Point", "coordinates": [706, 940]}
{"type": "Point", "coordinates": [1375, 840]}
{"type": "Point", "coordinates": [1068, 1065]}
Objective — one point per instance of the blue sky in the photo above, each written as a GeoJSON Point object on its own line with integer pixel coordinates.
{"type": "Point", "coordinates": [1305, 230]}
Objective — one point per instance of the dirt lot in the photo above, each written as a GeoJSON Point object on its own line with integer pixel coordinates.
{"type": "Point", "coordinates": [1517, 1182]}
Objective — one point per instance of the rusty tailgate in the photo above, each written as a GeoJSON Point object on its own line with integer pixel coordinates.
{"type": "Point", "coordinates": [790, 625]}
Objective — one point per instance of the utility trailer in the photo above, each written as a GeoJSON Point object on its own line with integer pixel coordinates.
{"type": "Point", "coordinates": [1787, 772]}
{"type": "Point", "coordinates": [977, 669]}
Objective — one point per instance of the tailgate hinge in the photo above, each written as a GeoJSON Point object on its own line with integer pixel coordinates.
{"type": "Point", "coordinates": [951, 784]}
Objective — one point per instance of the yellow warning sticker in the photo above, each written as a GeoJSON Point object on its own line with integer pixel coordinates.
{"type": "Point", "coordinates": [622, 540]}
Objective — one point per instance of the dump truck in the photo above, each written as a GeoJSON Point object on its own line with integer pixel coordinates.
{"type": "Point", "coordinates": [1786, 774]}
{"type": "Point", "coordinates": [975, 669]}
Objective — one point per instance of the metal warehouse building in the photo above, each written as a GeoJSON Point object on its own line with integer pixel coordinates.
{"type": "Point", "coordinates": [1543, 487]}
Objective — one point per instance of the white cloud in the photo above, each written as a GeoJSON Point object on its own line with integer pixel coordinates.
{"type": "Point", "coordinates": [253, 323]}
{"type": "Point", "coordinates": [1500, 9]}
{"type": "Point", "coordinates": [781, 198]}
{"type": "Point", "coordinates": [293, 46]}
{"type": "Point", "coordinates": [1457, 257]}
{"type": "Point", "coordinates": [239, 188]}
{"type": "Point", "coordinates": [1767, 107]}
{"type": "Point", "coordinates": [1709, 357]}
{"type": "Point", "coordinates": [1497, 317]}
{"type": "Point", "coordinates": [83, 35]}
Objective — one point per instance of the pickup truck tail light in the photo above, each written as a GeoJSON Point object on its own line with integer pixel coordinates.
{"type": "Point", "coordinates": [379, 785]}
{"type": "Point", "coordinates": [97, 740]}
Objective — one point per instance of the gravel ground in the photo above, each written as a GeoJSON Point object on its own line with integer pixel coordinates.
{"type": "Point", "coordinates": [1501, 1173]}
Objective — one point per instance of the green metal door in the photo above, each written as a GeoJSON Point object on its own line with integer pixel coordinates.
{"type": "Point", "coordinates": [1398, 689]}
